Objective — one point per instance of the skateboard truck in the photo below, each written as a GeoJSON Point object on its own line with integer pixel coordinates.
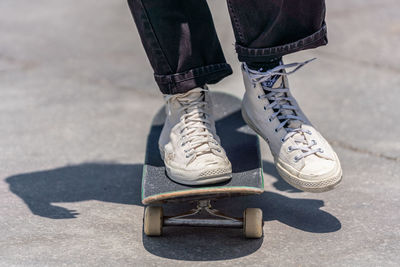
{"type": "Point", "coordinates": [203, 216]}
{"type": "Point", "coordinates": [203, 207]}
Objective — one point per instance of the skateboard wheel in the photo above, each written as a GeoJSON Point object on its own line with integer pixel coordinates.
{"type": "Point", "coordinates": [153, 221]}
{"type": "Point", "coordinates": [253, 223]}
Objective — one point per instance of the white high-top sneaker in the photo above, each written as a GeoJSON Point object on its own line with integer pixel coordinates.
{"type": "Point", "coordinates": [302, 156]}
{"type": "Point", "coordinates": [189, 144]}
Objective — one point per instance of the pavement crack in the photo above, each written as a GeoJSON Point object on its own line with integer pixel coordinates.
{"type": "Point", "coordinates": [363, 151]}
{"type": "Point", "coordinates": [13, 64]}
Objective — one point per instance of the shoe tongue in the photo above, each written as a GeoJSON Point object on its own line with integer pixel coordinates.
{"type": "Point", "coordinates": [193, 95]}
{"type": "Point", "coordinates": [198, 94]}
{"type": "Point", "coordinates": [276, 81]}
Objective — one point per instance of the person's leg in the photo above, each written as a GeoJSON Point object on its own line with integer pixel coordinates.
{"type": "Point", "coordinates": [181, 43]}
{"type": "Point", "coordinates": [183, 48]}
{"type": "Point", "coordinates": [265, 31]}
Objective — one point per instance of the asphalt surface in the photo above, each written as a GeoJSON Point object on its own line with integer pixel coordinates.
{"type": "Point", "coordinates": [76, 102]}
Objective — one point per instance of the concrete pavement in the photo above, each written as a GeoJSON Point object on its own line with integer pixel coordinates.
{"type": "Point", "coordinates": [76, 100]}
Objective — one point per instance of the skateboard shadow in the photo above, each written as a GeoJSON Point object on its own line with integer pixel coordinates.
{"type": "Point", "coordinates": [116, 183]}
{"type": "Point", "coordinates": [121, 183]}
{"type": "Point", "coordinates": [216, 244]}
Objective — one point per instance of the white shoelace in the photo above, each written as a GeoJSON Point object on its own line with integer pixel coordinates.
{"type": "Point", "coordinates": [196, 130]}
{"type": "Point", "coordinates": [280, 102]}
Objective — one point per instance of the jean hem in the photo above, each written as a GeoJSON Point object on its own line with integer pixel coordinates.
{"type": "Point", "coordinates": [314, 40]}
{"type": "Point", "coordinates": [197, 77]}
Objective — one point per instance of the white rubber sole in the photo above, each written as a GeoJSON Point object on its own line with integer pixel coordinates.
{"type": "Point", "coordinates": [202, 181]}
{"type": "Point", "coordinates": [188, 178]}
{"type": "Point", "coordinates": [310, 186]}
{"type": "Point", "coordinates": [304, 185]}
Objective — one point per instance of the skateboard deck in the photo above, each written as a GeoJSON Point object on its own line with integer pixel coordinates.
{"type": "Point", "coordinates": [240, 143]}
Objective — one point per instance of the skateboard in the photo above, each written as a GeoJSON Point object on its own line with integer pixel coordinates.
{"type": "Point", "coordinates": [242, 147]}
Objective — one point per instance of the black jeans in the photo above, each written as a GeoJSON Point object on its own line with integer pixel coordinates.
{"type": "Point", "coordinates": [183, 48]}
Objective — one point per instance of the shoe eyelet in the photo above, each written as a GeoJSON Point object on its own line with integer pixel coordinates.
{"type": "Point", "coordinates": [265, 108]}
{"type": "Point", "coordinates": [276, 130]}
{"type": "Point", "coordinates": [219, 150]}
{"type": "Point", "coordinates": [314, 142]}
{"type": "Point", "coordinates": [289, 149]}
{"type": "Point", "coordinates": [187, 156]}
{"type": "Point", "coordinates": [321, 150]}
{"type": "Point", "coordinates": [296, 159]}
{"type": "Point", "coordinates": [269, 119]}
{"type": "Point", "coordinates": [259, 97]}
{"type": "Point", "coordinates": [309, 132]}
{"type": "Point", "coordinates": [282, 140]}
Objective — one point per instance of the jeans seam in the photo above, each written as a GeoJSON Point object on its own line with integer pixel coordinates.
{"type": "Point", "coordinates": [155, 36]}
{"type": "Point", "coordinates": [236, 22]}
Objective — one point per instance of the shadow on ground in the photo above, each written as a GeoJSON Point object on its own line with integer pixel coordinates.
{"type": "Point", "coordinates": [280, 184]}
{"type": "Point", "coordinates": [196, 244]}
{"type": "Point", "coordinates": [121, 183]}
{"type": "Point", "coordinates": [117, 183]}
